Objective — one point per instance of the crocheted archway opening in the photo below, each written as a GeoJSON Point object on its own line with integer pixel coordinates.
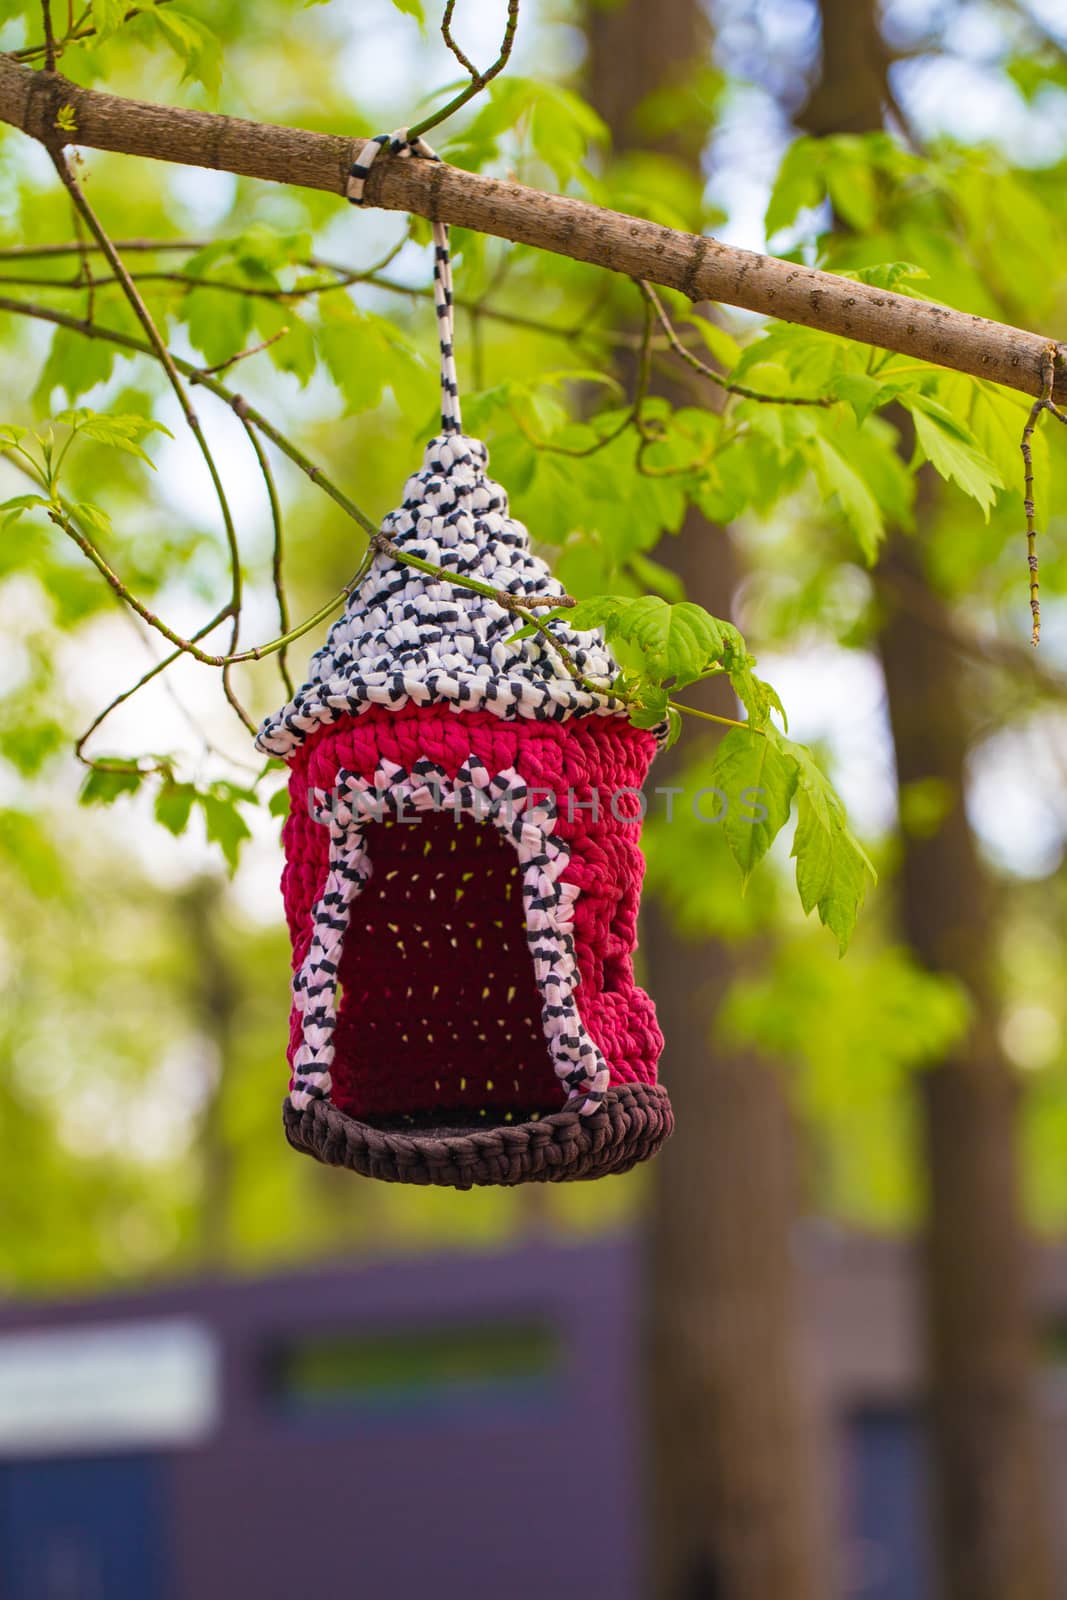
{"type": "Point", "coordinates": [441, 1070]}
{"type": "Point", "coordinates": [473, 943]}
{"type": "Point", "coordinates": [436, 973]}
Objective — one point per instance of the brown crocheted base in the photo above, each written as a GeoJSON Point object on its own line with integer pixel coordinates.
{"type": "Point", "coordinates": [634, 1121]}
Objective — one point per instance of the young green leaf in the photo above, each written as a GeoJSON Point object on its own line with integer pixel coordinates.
{"type": "Point", "coordinates": [951, 450]}
{"type": "Point", "coordinates": [832, 867]}
{"type": "Point", "coordinates": [174, 803]}
{"type": "Point", "coordinates": [94, 517]}
{"type": "Point", "coordinates": [225, 826]}
{"type": "Point", "coordinates": [218, 323]}
{"type": "Point", "coordinates": [278, 805]}
{"type": "Point", "coordinates": [758, 779]}
{"type": "Point", "coordinates": [679, 642]}
{"type": "Point", "coordinates": [798, 186]}
{"type": "Point", "coordinates": [11, 510]}
{"type": "Point", "coordinates": [835, 476]}
{"type": "Point", "coordinates": [75, 365]}
{"type": "Point", "coordinates": [108, 17]}
{"type": "Point", "coordinates": [193, 43]}
{"type": "Point", "coordinates": [103, 785]}
{"type": "Point", "coordinates": [758, 697]}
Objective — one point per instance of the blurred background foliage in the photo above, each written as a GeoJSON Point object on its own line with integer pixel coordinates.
{"type": "Point", "coordinates": [144, 965]}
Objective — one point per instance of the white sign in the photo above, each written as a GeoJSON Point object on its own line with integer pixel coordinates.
{"type": "Point", "coordinates": [107, 1386]}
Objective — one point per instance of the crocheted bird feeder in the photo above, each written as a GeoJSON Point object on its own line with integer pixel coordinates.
{"type": "Point", "coordinates": [462, 864]}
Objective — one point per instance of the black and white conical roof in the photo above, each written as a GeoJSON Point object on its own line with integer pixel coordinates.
{"type": "Point", "coordinates": [407, 636]}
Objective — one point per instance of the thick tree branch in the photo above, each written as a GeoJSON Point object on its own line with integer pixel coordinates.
{"type": "Point", "coordinates": [701, 267]}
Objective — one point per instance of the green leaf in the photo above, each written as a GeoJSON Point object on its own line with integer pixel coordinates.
{"type": "Point", "coordinates": [357, 359]}
{"type": "Point", "coordinates": [757, 696]}
{"type": "Point", "coordinates": [108, 17]}
{"type": "Point", "coordinates": [174, 803]}
{"type": "Point", "coordinates": [653, 575]}
{"type": "Point", "coordinates": [218, 323]}
{"type": "Point", "coordinates": [562, 127]}
{"type": "Point", "coordinates": [679, 642]}
{"type": "Point", "coordinates": [889, 275]}
{"type": "Point", "coordinates": [74, 364]}
{"type": "Point", "coordinates": [278, 805]}
{"type": "Point", "coordinates": [758, 780]}
{"type": "Point", "coordinates": [193, 43]}
{"type": "Point", "coordinates": [94, 516]}
{"type": "Point", "coordinates": [225, 826]}
{"type": "Point", "coordinates": [652, 709]}
{"type": "Point", "coordinates": [11, 510]}
{"type": "Point", "coordinates": [832, 867]}
{"type": "Point", "coordinates": [116, 430]}
{"type": "Point", "coordinates": [860, 391]}
{"type": "Point", "coordinates": [723, 347]}
{"type": "Point", "coordinates": [860, 508]}
{"type": "Point", "coordinates": [950, 449]}
{"type": "Point", "coordinates": [111, 427]}
{"type": "Point", "coordinates": [28, 848]}
{"type": "Point", "coordinates": [294, 351]}
{"type": "Point", "coordinates": [798, 186]}
{"type": "Point", "coordinates": [29, 745]}
{"type": "Point", "coordinates": [412, 8]}
{"type": "Point", "coordinates": [103, 785]}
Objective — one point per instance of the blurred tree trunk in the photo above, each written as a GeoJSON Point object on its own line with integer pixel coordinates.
{"type": "Point", "coordinates": [992, 1538]}
{"type": "Point", "coordinates": [732, 1477]}
{"type": "Point", "coordinates": [214, 1002]}
{"type": "Point", "coordinates": [732, 1492]}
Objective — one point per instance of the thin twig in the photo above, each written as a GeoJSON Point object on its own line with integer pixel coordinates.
{"type": "Point", "coordinates": [458, 580]}
{"type": "Point", "coordinates": [446, 34]}
{"type": "Point", "coordinates": [64, 516]}
{"type": "Point", "coordinates": [166, 361]}
{"type": "Point", "coordinates": [192, 720]}
{"type": "Point", "coordinates": [1044, 402]}
{"type": "Point", "coordinates": [31, 252]}
{"type": "Point", "coordinates": [478, 79]}
{"type": "Point", "coordinates": [344, 279]}
{"type": "Point", "coordinates": [85, 265]}
{"type": "Point", "coordinates": [717, 378]}
{"type": "Point", "coordinates": [277, 549]}
{"type": "Point", "coordinates": [243, 355]}
{"type": "Point", "coordinates": [195, 375]}
{"type": "Point", "coordinates": [49, 36]}
{"type": "Point", "coordinates": [631, 418]}
{"type": "Point", "coordinates": [127, 694]}
{"type": "Point", "coordinates": [241, 407]}
{"type": "Point", "coordinates": [76, 33]}
{"type": "Point", "coordinates": [169, 660]}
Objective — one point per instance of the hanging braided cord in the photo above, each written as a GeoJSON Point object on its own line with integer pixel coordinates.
{"type": "Point", "coordinates": [398, 144]}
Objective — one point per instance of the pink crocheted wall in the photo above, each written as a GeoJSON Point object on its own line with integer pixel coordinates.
{"type": "Point", "coordinates": [439, 1009]}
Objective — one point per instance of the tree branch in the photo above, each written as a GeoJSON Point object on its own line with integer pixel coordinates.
{"type": "Point", "coordinates": [698, 266]}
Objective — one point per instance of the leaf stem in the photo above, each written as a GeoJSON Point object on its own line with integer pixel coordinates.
{"type": "Point", "coordinates": [710, 716]}
{"type": "Point", "coordinates": [478, 79]}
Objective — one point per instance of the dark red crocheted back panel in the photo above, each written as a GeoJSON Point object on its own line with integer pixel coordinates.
{"type": "Point", "coordinates": [439, 1009]}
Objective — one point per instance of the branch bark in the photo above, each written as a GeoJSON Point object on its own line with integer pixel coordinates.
{"type": "Point", "coordinates": [698, 266]}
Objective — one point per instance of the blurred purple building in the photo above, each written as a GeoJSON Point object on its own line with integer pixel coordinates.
{"type": "Point", "coordinates": [468, 1424]}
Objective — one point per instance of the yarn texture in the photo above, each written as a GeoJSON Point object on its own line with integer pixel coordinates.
{"type": "Point", "coordinates": [462, 862]}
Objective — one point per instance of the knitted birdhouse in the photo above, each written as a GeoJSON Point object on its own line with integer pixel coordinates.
{"type": "Point", "coordinates": [462, 862]}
